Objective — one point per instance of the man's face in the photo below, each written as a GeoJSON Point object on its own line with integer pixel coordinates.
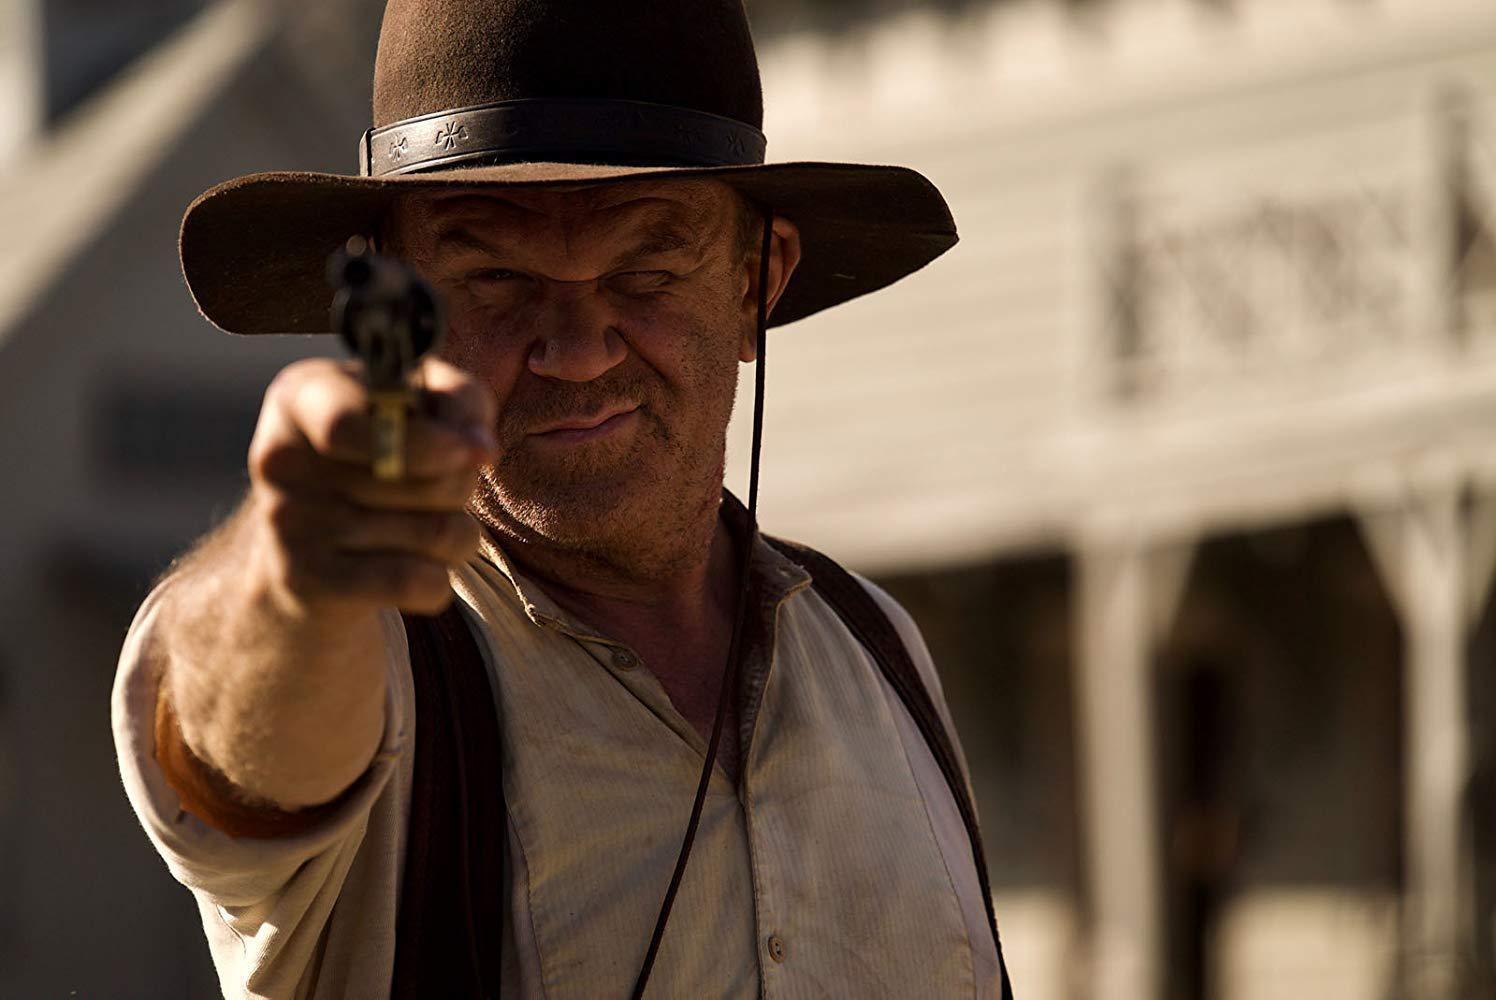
{"type": "Point", "coordinates": [609, 322]}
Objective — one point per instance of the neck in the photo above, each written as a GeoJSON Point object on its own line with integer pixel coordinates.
{"type": "Point", "coordinates": [680, 579]}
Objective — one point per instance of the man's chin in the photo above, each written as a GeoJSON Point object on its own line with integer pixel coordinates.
{"type": "Point", "coordinates": [577, 519]}
{"type": "Point", "coordinates": [574, 508]}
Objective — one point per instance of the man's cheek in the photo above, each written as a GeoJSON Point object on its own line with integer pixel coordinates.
{"type": "Point", "coordinates": [482, 350]}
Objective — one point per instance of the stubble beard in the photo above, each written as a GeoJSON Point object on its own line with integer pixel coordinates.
{"type": "Point", "coordinates": [641, 508]}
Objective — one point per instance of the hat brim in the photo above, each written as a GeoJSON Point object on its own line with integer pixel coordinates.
{"type": "Point", "coordinates": [254, 249]}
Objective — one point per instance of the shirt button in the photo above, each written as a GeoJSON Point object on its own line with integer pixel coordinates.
{"type": "Point", "coordinates": [776, 948]}
{"type": "Point", "coordinates": [624, 660]}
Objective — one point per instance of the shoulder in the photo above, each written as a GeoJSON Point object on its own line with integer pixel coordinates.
{"type": "Point", "coordinates": [914, 641]}
{"type": "Point", "coordinates": [902, 621]}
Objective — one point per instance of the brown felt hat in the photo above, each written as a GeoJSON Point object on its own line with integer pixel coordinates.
{"type": "Point", "coordinates": [494, 94]}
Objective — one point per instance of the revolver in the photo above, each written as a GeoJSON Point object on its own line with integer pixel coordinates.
{"type": "Point", "coordinates": [389, 317]}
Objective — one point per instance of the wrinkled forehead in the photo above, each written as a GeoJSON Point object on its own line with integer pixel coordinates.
{"type": "Point", "coordinates": [698, 209]}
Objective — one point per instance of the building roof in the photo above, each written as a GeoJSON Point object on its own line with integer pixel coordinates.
{"type": "Point", "coordinates": [63, 192]}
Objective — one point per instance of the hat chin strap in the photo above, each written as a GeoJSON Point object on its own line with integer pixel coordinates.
{"type": "Point", "coordinates": [734, 647]}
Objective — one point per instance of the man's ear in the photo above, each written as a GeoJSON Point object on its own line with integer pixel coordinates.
{"type": "Point", "coordinates": [784, 257]}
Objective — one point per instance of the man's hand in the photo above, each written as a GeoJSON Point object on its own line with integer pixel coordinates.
{"type": "Point", "coordinates": [332, 537]}
{"type": "Point", "coordinates": [275, 656]}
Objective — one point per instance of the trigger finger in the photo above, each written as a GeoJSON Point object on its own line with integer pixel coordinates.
{"type": "Point", "coordinates": [434, 449]}
{"type": "Point", "coordinates": [441, 493]}
{"type": "Point", "coordinates": [453, 396]}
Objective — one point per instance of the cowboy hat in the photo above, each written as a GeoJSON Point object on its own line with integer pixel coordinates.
{"type": "Point", "coordinates": [495, 94]}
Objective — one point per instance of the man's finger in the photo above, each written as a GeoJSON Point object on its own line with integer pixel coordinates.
{"type": "Point", "coordinates": [444, 493]}
{"type": "Point", "coordinates": [444, 536]}
{"type": "Point", "coordinates": [455, 397]}
{"type": "Point", "coordinates": [435, 448]}
{"type": "Point", "coordinates": [409, 582]}
{"type": "Point", "coordinates": [330, 407]}
{"type": "Point", "coordinates": [433, 452]}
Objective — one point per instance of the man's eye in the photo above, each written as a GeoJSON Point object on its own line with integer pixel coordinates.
{"type": "Point", "coordinates": [493, 276]}
{"type": "Point", "coordinates": [639, 282]}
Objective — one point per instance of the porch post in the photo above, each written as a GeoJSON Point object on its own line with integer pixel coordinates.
{"type": "Point", "coordinates": [1421, 549]}
{"type": "Point", "coordinates": [1115, 734]}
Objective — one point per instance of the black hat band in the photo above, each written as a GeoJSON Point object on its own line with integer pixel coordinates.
{"type": "Point", "coordinates": [561, 130]}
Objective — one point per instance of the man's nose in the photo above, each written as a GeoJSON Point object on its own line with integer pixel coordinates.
{"type": "Point", "coordinates": [578, 340]}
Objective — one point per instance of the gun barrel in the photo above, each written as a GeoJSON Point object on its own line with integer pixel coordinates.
{"type": "Point", "coordinates": [389, 318]}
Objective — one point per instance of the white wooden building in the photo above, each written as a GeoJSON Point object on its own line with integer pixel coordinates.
{"type": "Point", "coordinates": [1227, 270]}
{"type": "Point", "coordinates": [1221, 329]}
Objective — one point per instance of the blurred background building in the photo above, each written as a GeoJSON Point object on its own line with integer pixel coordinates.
{"type": "Point", "coordinates": [1183, 459]}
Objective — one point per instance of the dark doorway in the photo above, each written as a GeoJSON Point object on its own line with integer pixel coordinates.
{"type": "Point", "coordinates": [1279, 736]}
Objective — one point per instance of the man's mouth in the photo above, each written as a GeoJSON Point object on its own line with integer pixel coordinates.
{"type": "Point", "coordinates": [587, 427]}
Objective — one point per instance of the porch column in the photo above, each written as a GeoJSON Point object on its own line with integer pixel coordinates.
{"type": "Point", "coordinates": [1114, 715]}
{"type": "Point", "coordinates": [1438, 744]}
{"type": "Point", "coordinates": [1421, 548]}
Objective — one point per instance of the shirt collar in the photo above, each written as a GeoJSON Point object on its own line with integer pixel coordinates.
{"type": "Point", "coordinates": [539, 608]}
{"type": "Point", "coordinates": [773, 577]}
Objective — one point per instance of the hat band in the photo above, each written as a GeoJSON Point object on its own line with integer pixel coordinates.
{"type": "Point", "coordinates": [561, 130]}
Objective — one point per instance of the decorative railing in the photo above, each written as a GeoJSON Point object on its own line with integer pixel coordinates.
{"type": "Point", "coordinates": [1237, 281]}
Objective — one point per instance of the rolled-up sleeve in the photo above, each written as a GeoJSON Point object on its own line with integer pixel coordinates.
{"type": "Point", "coordinates": [265, 902]}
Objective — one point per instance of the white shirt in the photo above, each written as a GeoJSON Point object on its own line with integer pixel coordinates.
{"type": "Point", "coordinates": [837, 866]}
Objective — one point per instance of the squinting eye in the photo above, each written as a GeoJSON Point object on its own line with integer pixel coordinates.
{"type": "Point", "coordinates": [492, 276]}
{"type": "Point", "coordinates": [639, 282]}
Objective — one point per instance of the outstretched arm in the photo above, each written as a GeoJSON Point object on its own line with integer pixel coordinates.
{"type": "Point", "coordinates": [269, 632]}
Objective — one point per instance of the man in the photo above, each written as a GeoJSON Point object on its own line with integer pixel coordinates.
{"type": "Point", "coordinates": [583, 186]}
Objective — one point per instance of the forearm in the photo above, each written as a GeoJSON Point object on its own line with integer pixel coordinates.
{"type": "Point", "coordinates": [285, 702]}
{"type": "Point", "coordinates": [269, 637]}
